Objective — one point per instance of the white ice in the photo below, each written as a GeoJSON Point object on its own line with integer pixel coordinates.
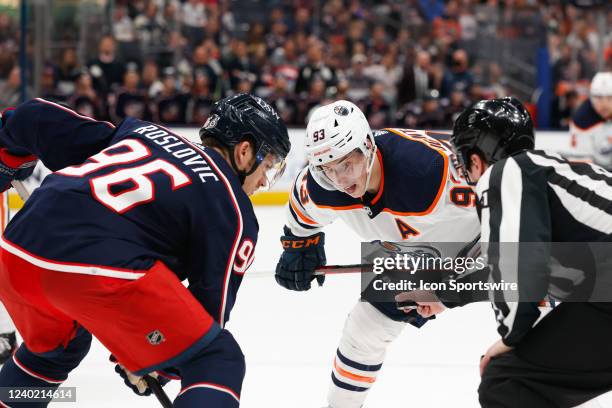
{"type": "Point", "coordinates": [289, 340]}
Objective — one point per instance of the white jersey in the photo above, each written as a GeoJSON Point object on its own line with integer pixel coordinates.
{"type": "Point", "coordinates": [591, 135]}
{"type": "Point", "coordinates": [422, 197]}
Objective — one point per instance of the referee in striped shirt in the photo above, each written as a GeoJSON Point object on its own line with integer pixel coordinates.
{"type": "Point", "coordinates": [561, 213]}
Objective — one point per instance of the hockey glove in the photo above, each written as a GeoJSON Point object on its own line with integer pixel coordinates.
{"type": "Point", "coordinates": [135, 382]}
{"type": "Point", "coordinates": [301, 256]}
{"type": "Point", "coordinates": [14, 165]}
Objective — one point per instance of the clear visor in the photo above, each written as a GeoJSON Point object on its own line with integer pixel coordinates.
{"type": "Point", "coordinates": [273, 168]}
{"type": "Point", "coordinates": [344, 172]}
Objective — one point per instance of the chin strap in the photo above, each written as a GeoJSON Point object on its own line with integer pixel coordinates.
{"type": "Point", "coordinates": [373, 157]}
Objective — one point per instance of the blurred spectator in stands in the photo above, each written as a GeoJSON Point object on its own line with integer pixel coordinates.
{"type": "Point", "coordinates": [338, 58]}
{"type": "Point", "coordinates": [169, 107]}
{"type": "Point", "coordinates": [342, 90]}
{"type": "Point", "coordinates": [283, 101]}
{"type": "Point", "coordinates": [563, 59]}
{"type": "Point", "coordinates": [388, 73]}
{"type": "Point", "coordinates": [238, 65]}
{"type": "Point", "coordinates": [150, 82]}
{"type": "Point", "coordinates": [378, 42]}
{"type": "Point", "coordinates": [495, 81]}
{"type": "Point", "coordinates": [314, 98]}
{"type": "Point", "coordinates": [256, 37]}
{"type": "Point", "coordinates": [476, 93]}
{"type": "Point", "coordinates": [150, 27]}
{"type": "Point", "coordinates": [106, 70]}
{"type": "Point", "coordinates": [10, 89]}
{"type": "Point", "coordinates": [356, 35]}
{"type": "Point", "coordinates": [314, 68]}
{"type": "Point", "coordinates": [458, 73]}
{"type": "Point", "coordinates": [124, 32]}
{"type": "Point", "coordinates": [203, 64]}
{"type": "Point", "coordinates": [48, 85]}
{"type": "Point", "coordinates": [302, 23]}
{"type": "Point", "coordinates": [171, 17]}
{"type": "Point", "coordinates": [193, 18]}
{"type": "Point", "coordinates": [446, 27]}
{"type": "Point", "coordinates": [456, 103]}
{"type": "Point", "coordinates": [417, 79]}
{"type": "Point", "coordinates": [285, 62]}
{"type": "Point", "coordinates": [584, 40]}
{"type": "Point", "coordinates": [468, 23]}
{"type": "Point", "coordinates": [85, 100]}
{"type": "Point", "coordinates": [129, 100]}
{"type": "Point", "coordinates": [212, 30]}
{"type": "Point", "coordinates": [277, 35]}
{"type": "Point", "coordinates": [244, 86]}
{"type": "Point", "coordinates": [68, 71]}
{"type": "Point", "coordinates": [359, 82]}
{"type": "Point", "coordinates": [377, 109]}
{"type": "Point", "coordinates": [7, 28]}
{"type": "Point", "coordinates": [423, 114]}
{"type": "Point", "coordinates": [200, 102]}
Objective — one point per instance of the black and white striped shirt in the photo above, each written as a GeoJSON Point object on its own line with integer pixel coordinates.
{"type": "Point", "coordinates": [538, 198]}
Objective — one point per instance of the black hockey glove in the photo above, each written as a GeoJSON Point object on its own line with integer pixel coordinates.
{"type": "Point", "coordinates": [15, 164]}
{"type": "Point", "coordinates": [135, 382]}
{"type": "Point", "coordinates": [301, 256]}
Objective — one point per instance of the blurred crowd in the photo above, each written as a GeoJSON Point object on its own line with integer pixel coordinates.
{"type": "Point", "coordinates": [406, 63]}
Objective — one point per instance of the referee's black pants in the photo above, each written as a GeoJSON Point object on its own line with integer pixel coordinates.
{"type": "Point", "coordinates": [563, 361]}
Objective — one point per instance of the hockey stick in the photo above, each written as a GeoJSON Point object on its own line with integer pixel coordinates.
{"type": "Point", "coordinates": [159, 392]}
{"type": "Point", "coordinates": [22, 190]}
{"type": "Point", "coordinates": [324, 270]}
{"type": "Point", "coordinates": [338, 269]}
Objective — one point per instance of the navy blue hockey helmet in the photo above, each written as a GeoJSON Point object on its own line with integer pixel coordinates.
{"type": "Point", "coordinates": [495, 129]}
{"type": "Point", "coordinates": [247, 117]}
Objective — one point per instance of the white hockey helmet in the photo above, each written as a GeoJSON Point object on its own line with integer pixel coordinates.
{"type": "Point", "coordinates": [334, 131]}
{"type": "Point", "coordinates": [601, 85]}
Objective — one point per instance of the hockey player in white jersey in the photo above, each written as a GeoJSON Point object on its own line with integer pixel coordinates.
{"type": "Point", "coordinates": [591, 125]}
{"type": "Point", "coordinates": [392, 185]}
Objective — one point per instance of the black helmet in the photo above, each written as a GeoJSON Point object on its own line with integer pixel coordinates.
{"type": "Point", "coordinates": [247, 117]}
{"type": "Point", "coordinates": [495, 128]}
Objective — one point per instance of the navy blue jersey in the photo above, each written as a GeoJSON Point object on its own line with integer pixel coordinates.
{"type": "Point", "coordinates": [121, 198]}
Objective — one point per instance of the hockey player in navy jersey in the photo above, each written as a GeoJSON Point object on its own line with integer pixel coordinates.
{"type": "Point", "coordinates": [393, 185]}
{"type": "Point", "coordinates": [101, 247]}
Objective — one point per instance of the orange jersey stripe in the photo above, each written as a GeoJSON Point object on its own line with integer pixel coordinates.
{"type": "Point", "coordinates": [382, 178]}
{"type": "Point", "coordinates": [352, 376]}
{"type": "Point", "coordinates": [300, 214]}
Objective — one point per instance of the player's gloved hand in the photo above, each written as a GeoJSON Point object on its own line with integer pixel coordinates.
{"type": "Point", "coordinates": [14, 165]}
{"type": "Point", "coordinates": [135, 382]}
{"type": "Point", "coordinates": [301, 256]}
